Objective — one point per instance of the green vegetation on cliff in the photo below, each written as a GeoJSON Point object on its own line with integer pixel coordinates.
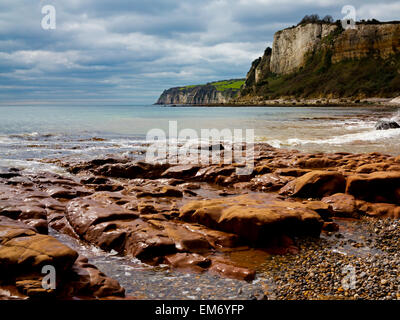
{"type": "Point", "coordinates": [211, 93]}
{"type": "Point", "coordinates": [234, 84]}
{"type": "Point", "coordinates": [349, 78]}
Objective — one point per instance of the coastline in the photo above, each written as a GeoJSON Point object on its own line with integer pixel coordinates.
{"type": "Point", "coordinates": [348, 102]}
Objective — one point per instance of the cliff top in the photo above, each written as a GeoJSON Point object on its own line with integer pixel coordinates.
{"type": "Point", "coordinates": [221, 85]}
{"type": "Point", "coordinates": [338, 22]}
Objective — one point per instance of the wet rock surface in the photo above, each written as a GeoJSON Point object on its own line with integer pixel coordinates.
{"type": "Point", "coordinates": [194, 218]}
{"type": "Point", "coordinates": [23, 255]}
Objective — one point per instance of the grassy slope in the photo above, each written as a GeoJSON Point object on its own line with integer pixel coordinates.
{"type": "Point", "coordinates": [368, 76]}
{"type": "Point", "coordinates": [234, 84]}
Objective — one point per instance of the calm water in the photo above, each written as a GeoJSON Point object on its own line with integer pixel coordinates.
{"type": "Point", "coordinates": [37, 132]}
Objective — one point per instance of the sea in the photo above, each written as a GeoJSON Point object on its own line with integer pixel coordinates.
{"type": "Point", "coordinates": [31, 134]}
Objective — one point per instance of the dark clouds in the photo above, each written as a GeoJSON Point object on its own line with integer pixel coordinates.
{"type": "Point", "coordinates": [129, 51]}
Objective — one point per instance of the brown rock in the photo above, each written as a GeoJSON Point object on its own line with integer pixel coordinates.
{"type": "Point", "coordinates": [315, 184]}
{"type": "Point", "coordinates": [372, 167]}
{"type": "Point", "coordinates": [323, 209]}
{"type": "Point", "coordinates": [209, 174]}
{"type": "Point", "coordinates": [86, 212]}
{"type": "Point", "coordinates": [185, 239]}
{"type": "Point", "coordinates": [98, 222]}
{"type": "Point", "coordinates": [132, 170]}
{"type": "Point", "coordinates": [292, 172]}
{"type": "Point", "coordinates": [386, 210]}
{"type": "Point", "coordinates": [262, 169]}
{"type": "Point", "coordinates": [192, 261]}
{"type": "Point", "coordinates": [167, 191]}
{"type": "Point", "coordinates": [109, 226]}
{"type": "Point", "coordinates": [227, 270]}
{"type": "Point", "coordinates": [33, 288]}
{"type": "Point", "coordinates": [375, 187]}
{"type": "Point", "coordinates": [255, 218]}
{"type": "Point", "coordinates": [145, 242]}
{"type": "Point", "coordinates": [217, 239]}
{"type": "Point", "coordinates": [330, 227]}
{"type": "Point", "coordinates": [22, 250]}
{"type": "Point", "coordinates": [343, 205]}
{"type": "Point", "coordinates": [88, 281]}
{"type": "Point", "coordinates": [315, 163]}
{"type": "Point", "coordinates": [181, 171]}
{"type": "Point", "coordinates": [269, 182]}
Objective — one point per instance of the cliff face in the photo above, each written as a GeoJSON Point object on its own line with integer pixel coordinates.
{"type": "Point", "coordinates": [379, 40]}
{"type": "Point", "coordinates": [260, 69]}
{"type": "Point", "coordinates": [291, 45]}
{"type": "Point", "coordinates": [327, 58]}
{"type": "Point", "coordinates": [211, 93]}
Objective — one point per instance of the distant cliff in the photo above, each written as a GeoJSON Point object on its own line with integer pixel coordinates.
{"type": "Point", "coordinates": [210, 93]}
{"type": "Point", "coordinates": [311, 61]}
{"type": "Point", "coordinates": [317, 60]}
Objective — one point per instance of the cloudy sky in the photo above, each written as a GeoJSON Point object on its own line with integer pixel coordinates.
{"type": "Point", "coordinates": [129, 51]}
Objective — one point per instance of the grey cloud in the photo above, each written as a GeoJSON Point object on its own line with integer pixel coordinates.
{"type": "Point", "coordinates": [130, 50]}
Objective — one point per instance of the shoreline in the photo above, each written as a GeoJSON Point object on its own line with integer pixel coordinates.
{"type": "Point", "coordinates": [349, 102]}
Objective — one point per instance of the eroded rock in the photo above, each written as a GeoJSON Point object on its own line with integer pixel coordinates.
{"type": "Point", "coordinates": [255, 218]}
{"type": "Point", "coordinates": [315, 184]}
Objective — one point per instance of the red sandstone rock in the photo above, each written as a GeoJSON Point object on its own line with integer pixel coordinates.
{"type": "Point", "coordinates": [293, 172]}
{"type": "Point", "coordinates": [378, 209]}
{"type": "Point", "coordinates": [255, 218]}
{"type": "Point", "coordinates": [269, 182]}
{"type": "Point", "coordinates": [23, 250]}
{"type": "Point", "coordinates": [375, 187]}
{"type": "Point", "coordinates": [227, 270]}
{"type": "Point", "coordinates": [209, 174]}
{"type": "Point", "coordinates": [343, 205]}
{"type": "Point", "coordinates": [315, 184]}
{"type": "Point", "coordinates": [190, 261]}
{"type": "Point", "coordinates": [88, 281]}
{"type": "Point", "coordinates": [314, 163]}
{"type": "Point", "coordinates": [181, 171]}
{"type": "Point", "coordinates": [372, 167]}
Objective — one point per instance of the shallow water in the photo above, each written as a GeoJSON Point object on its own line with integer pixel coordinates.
{"type": "Point", "coordinates": [81, 132]}
{"type": "Point", "coordinates": [147, 282]}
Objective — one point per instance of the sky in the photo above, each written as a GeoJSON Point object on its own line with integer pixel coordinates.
{"type": "Point", "coordinates": [129, 51]}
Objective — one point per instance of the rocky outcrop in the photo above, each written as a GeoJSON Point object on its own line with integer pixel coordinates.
{"type": "Point", "coordinates": [259, 70]}
{"type": "Point", "coordinates": [193, 217]}
{"type": "Point", "coordinates": [23, 254]}
{"type": "Point", "coordinates": [315, 184]}
{"type": "Point", "coordinates": [257, 219]}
